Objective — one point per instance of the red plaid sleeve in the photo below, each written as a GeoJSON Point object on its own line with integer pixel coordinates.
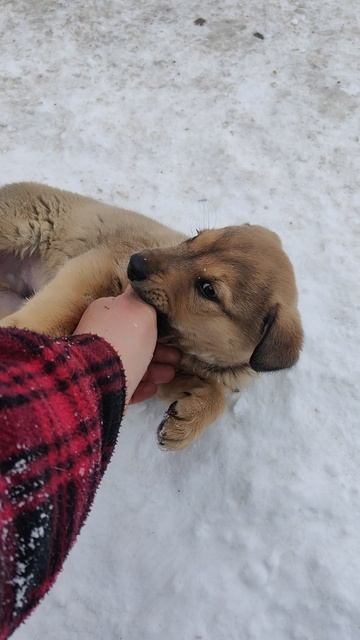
{"type": "Point", "coordinates": [61, 404]}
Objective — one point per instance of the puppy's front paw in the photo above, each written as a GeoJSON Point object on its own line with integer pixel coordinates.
{"type": "Point", "coordinates": [178, 428]}
{"type": "Point", "coordinates": [23, 320]}
{"type": "Point", "coordinates": [10, 321]}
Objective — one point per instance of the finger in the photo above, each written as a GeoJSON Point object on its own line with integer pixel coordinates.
{"type": "Point", "coordinates": [144, 391]}
{"type": "Point", "coordinates": [166, 355]}
{"type": "Point", "coordinates": [159, 373]}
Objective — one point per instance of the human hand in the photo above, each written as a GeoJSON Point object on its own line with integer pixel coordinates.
{"type": "Point", "coordinates": [160, 371]}
{"type": "Point", "coordinates": [129, 325]}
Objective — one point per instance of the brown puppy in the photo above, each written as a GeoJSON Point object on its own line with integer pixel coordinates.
{"type": "Point", "coordinates": [227, 298]}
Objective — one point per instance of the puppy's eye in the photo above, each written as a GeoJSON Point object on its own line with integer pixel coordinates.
{"type": "Point", "coordinates": [206, 289]}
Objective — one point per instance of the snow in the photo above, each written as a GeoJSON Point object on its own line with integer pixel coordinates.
{"type": "Point", "coordinates": [254, 532]}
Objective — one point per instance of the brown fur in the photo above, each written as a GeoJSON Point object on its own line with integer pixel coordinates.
{"type": "Point", "coordinates": [80, 250]}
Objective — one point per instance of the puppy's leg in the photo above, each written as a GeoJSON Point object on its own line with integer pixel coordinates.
{"type": "Point", "coordinates": [197, 404]}
{"type": "Point", "coordinates": [57, 307]}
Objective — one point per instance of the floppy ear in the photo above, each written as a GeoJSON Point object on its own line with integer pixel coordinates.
{"type": "Point", "coordinates": [280, 346]}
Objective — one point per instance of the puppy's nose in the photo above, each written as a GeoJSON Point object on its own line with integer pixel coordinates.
{"type": "Point", "coordinates": [138, 267]}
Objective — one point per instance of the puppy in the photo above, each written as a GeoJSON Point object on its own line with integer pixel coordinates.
{"type": "Point", "coordinates": [226, 298]}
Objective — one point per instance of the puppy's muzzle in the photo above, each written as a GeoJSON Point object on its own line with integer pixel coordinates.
{"type": "Point", "coordinates": [138, 268]}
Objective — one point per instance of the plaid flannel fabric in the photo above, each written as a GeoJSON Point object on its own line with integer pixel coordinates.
{"type": "Point", "coordinates": [61, 403]}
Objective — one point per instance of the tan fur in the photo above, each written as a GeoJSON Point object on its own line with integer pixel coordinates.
{"type": "Point", "coordinates": [83, 249]}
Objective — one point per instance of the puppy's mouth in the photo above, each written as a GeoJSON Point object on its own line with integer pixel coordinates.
{"type": "Point", "coordinates": [163, 324]}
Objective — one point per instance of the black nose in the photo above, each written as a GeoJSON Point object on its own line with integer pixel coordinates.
{"type": "Point", "coordinates": [138, 267]}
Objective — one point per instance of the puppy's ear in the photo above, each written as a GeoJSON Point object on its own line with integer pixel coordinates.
{"type": "Point", "coordinates": [280, 345]}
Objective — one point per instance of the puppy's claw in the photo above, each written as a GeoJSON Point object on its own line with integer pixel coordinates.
{"type": "Point", "coordinates": [171, 412]}
{"type": "Point", "coordinates": [174, 432]}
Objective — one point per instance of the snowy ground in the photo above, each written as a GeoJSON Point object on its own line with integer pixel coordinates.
{"type": "Point", "coordinates": [253, 533]}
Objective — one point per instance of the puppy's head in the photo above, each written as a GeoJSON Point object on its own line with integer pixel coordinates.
{"type": "Point", "coordinates": [227, 296]}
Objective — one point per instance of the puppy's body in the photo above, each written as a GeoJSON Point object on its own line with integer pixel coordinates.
{"type": "Point", "coordinates": [226, 298]}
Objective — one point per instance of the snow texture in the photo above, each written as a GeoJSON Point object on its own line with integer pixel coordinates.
{"type": "Point", "coordinates": [254, 532]}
